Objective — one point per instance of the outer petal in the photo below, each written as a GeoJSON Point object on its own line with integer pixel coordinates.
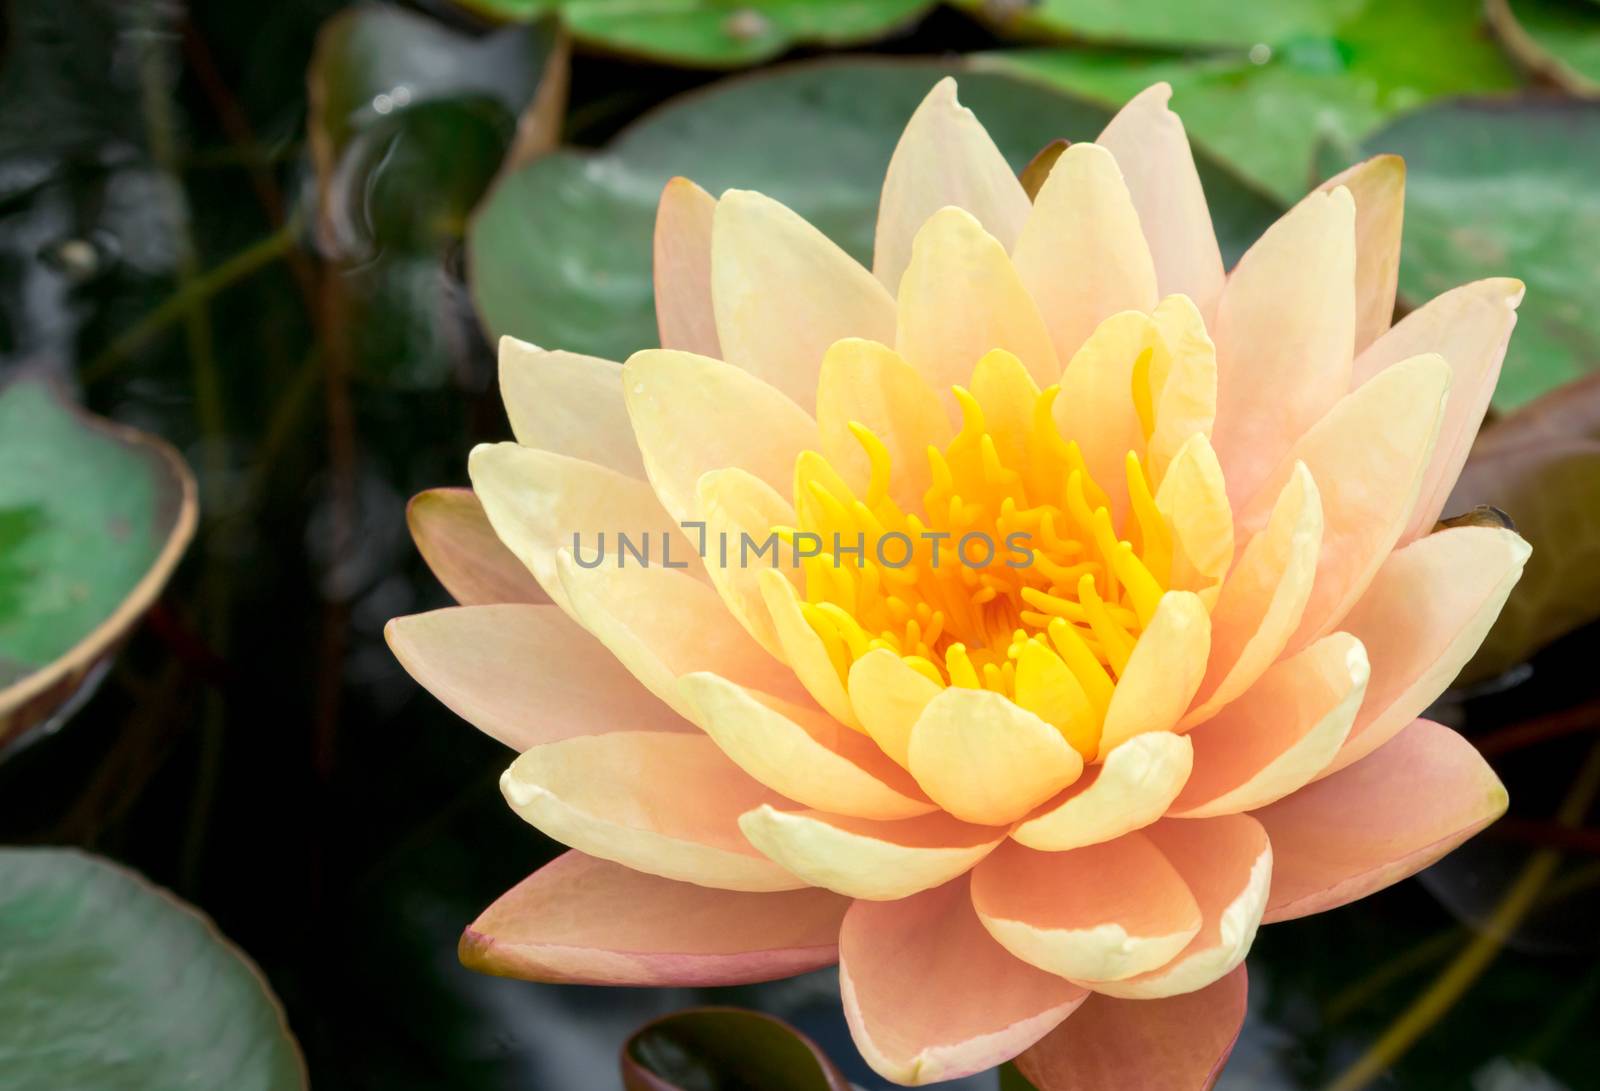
{"type": "Point", "coordinates": [692, 415]}
{"type": "Point", "coordinates": [524, 675]}
{"type": "Point", "coordinates": [1194, 499]}
{"type": "Point", "coordinates": [1132, 788]}
{"type": "Point", "coordinates": [888, 697]}
{"type": "Point", "coordinates": [569, 404]}
{"type": "Point", "coordinates": [1285, 335]}
{"type": "Point", "coordinates": [1469, 326]}
{"type": "Point", "coordinates": [960, 298]}
{"type": "Point", "coordinates": [1368, 456]}
{"type": "Point", "coordinates": [1101, 913]}
{"type": "Point", "coordinates": [1153, 151]}
{"type": "Point", "coordinates": [929, 996]}
{"type": "Point", "coordinates": [454, 536]}
{"type": "Point", "coordinates": [985, 760]}
{"type": "Point", "coordinates": [944, 158]}
{"type": "Point", "coordinates": [1384, 818]}
{"type": "Point", "coordinates": [802, 752]}
{"type": "Point", "coordinates": [784, 292]}
{"type": "Point", "coordinates": [860, 858]}
{"type": "Point", "coordinates": [664, 804]}
{"type": "Point", "coordinates": [682, 273]}
{"type": "Point", "coordinates": [1227, 863]}
{"type": "Point", "coordinates": [1423, 617]}
{"type": "Point", "coordinates": [583, 921]}
{"type": "Point", "coordinates": [1163, 672]}
{"type": "Point", "coordinates": [1176, 1044]}
{"type": "Point", "coordinates": [1280, 734]}
{"type": "Point", "coordinates": [1378, 186]}
{"type": "Point", "coordinates": [1082, 253]}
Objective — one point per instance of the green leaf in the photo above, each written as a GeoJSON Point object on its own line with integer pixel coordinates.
{"type": "Point", "coordinates": [93, 518]}
{"type": "Point", "coordinates": [560, 252]}
{"type": "Point", "coordinates": [1195, 24]}
{"type": "Point", "coordinates": [1507, 188]}
{"type": "Point", "coordinates": [109, 983]}
{"type": "Point", "coordinates": [1558, 40]}
{"type": "Point", "coordinates": [714, 33]}
{"type": "Point", "coordinates": [1331, 80]}
{"type": "Point", "coordinates": [725, 1049]}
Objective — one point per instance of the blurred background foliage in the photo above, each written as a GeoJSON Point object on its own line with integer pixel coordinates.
{"type": "Point", "coordinates": [282, 238]}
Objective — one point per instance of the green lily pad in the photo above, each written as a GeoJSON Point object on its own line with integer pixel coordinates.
{"type": "Point", "coordinates": [93, 518]}
{"type": "Point", "coordinates": [714, 33]}
{"type": "Point", "coordinates": [1507, 188]}
{"type": "Point", "coordinates": [1197, 24]}
{"type": "Point", "coordinates": [725, 1048]}
{"type": "Point", "coordinates": [110, 983]}
{"type": "Point", "coordinates": [1264, 109]}
{"type": "Point", "coordinates": [1558, 40]}
{"type": "Point", "coordinates": [560, 252]}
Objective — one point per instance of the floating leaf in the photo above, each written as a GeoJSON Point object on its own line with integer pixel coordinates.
{"type": "Point", "coordinates": [108, 982]}
{"type": "Point", "coordinates": [725, 1049]}
{"type": "Point", "coordinates": [1197, 24]}
{"type": "Point", "coordinates": [1556, 40]}
{"type": "Point", "coordinates": [1264, 107]}
{"type": "Point", "coordinates": [714, 33]}
{"type": "Point", "coordinates": [93, 518]}
{"type": "Point", "coordinates": [560, 252]}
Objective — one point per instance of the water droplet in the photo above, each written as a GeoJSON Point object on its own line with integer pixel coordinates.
{"type": "Point", "coordinates": [1260, 53]}
{"type": "Point", "coordinates": [382, 103]}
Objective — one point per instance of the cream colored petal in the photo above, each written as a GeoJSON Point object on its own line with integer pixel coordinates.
{"type": "Point", "coordinates": [868, 383]}
{"type": "Point", "coordinates": [665, 804]}
{"type": "Point", "coordinates": [662, 625]}
{"type": "Point", "coordinates": [1368, 456]}
{"type": "Point", "coordinates": [1163, 672]}
{"type": "Point", "coordinates": [985, 760]}
{"type": "Point", "coordinates": [961, 297]}
{"type": "Point", "coordinates": [1193, 498]}
{"type": "Point", "coordinates": [569, 404]}
{"type": "Point", "coordinates": [1082, 253]}
{"type": "Point", "coordinates": [1101, 913]}
{"type": "Point", "coordinates": [784, 292]}
{"type": "Point", "coordinates": [1378, 186]}
{"type": "Point", "coordinates": [944, 158]}
{"type": "Point", "coordinates": [740, 512]}
{"type": "Point", "coordinates": [1132, 788]}
{"type": "Point", "coordinates": [1186, 401]}
{"type": "Point", "coordinates": [692, 415]}
{"type": "Point", "coordinates": [1227, 864]}
{"type": "Point", "coordinates": [888, 697]}
{"type": "Point", "coordinates": [1153, 151]}
{"type": "Point", "coordinates": [540, 503]}
{"type": "Point", "coordinates": [861, 858]}
{"type": "Point", "coordinates": [1423, 617]}
{"type": "Point", "coordinates": [1095, 408]}
{"type": "Point", "coordinates": [803, 650]}
{"type": "Point", "coordinates": [1281, 734]}
{"type": "Point", "coordinates": [1285, 336]}
{"type": "Point", "coordinates": [802, 752]}
{"type": "Point", "coordinates": [1469, 326]}
{"type": "Point", "coordinates": [1263, 598]}
{"type": "Point", "coordinates": [682, 275]}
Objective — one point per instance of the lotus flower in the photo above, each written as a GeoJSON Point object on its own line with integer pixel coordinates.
{"type": "Point", "coordinates": [1036, 801]}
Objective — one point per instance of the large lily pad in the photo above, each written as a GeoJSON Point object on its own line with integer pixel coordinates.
{"type": "Point", "coordinates": [93, 518]}
{"type": "Point", "coordinates": [1557, 40]}
{"type": "Point", "coordinates": [714, 33]}
{"type": "Point", "coordinates": [109, 983]}
{"type": "Point", "coordinates": [1323, 72]}
{"type": "Point", "coordinates": [725, 1048]}
{"type": "Point", "coordinates": [1507, 188]}
{"type": "Point", "coordinates": [560, 252]}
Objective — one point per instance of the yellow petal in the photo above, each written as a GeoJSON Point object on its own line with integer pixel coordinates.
{"type": "Point", "coordinates": [674, 398]}
{"type": "Point", "coordinates": [740, 511]}
{"type": "Point", "coordinates": [569, 404]}
{"type": "Point", "coordinates": [888, 696]}
{"type": "Point", "coordinates": [1095, 409]}
{"type": "Point", "coordinates": [860, 858]}
{"type": "Point", "coordinates": [1082, 253]}
{"type": "Point", "coordinates": [1378, 186]}
{"type": "Point", "coordinates": [682, 273]}
{"type": "Point", "coordinates": [803, 753]}
{"type": "Point", "coordinates": [985, 760]}
{"type": "Point", "coordinates": [1163, 673]}
{"type": "Point", "coordinates": [944, 158]}
{"type": "Point", "coordinates": [1193, 498]}
{"type": "Point", "coordinates": [803, 650]}
{"type": "Point", "coordinates": [1186, 400]}
{"type": "Point", "coordinates": [961, 297]}
{"type": "Point", "coordinates": [1132, 788]}
{"type": "Point", "coordinates": [784, 292]}
{"type": "Point", "coordinates": [1153, 151]}
{"type": "Point", "coordinates": [868, 383]}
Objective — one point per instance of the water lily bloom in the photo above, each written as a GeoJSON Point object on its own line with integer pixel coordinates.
{"type": "Point", "coordinates": [1094, 596]}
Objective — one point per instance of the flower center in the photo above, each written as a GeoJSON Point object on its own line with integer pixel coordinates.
{"type": "Point", "coordinates": [1011, 577]}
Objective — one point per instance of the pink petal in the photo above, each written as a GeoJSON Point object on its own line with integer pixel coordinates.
{"type": "Point", "coordinates": [682, 274]}
{"type": "Point", "coordinates": [583, 921]}
{"type": "Point", "coordinates": [1388, 816]}
{"type": "Point", "coordinates": [454, 536]}
{"type": "Point", "coordinates": [930, 996]}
